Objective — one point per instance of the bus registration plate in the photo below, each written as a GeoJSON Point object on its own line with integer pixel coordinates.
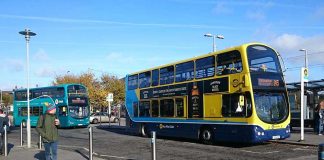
{"type": "Point", "coordinates": [275, 137]}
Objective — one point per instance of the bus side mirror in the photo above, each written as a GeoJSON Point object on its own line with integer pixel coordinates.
{"type": "Point", "coordinates": [241, 100]}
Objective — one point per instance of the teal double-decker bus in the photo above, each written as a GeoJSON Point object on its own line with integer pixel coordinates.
{"type": "Point", "coordinates": [71, 100]}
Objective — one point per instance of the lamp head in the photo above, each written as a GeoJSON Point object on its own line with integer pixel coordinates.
{"type": "Point", "coordinates": [220, 36]}
{"type": "Point", "coordinates": [208, 35]}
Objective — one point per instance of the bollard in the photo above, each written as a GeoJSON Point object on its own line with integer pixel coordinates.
{"type": "Point", "coordinates": [90, 143]}
{"type": "Point", "coordinates": [119, 116]}
{"type": "Point", "coordinates": [153, 140]}
{"type": "Point", "coordinates": [21, 134]}
{"type": "Point", "coordinates": [40, 143]}
{"type": "Point", "coordinates": [5, 141]}
{"type": "Point", "coordinates": [321, 151]}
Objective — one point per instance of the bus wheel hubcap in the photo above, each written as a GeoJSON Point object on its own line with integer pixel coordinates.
{"type": "Point", "coordinates": [206, 135]}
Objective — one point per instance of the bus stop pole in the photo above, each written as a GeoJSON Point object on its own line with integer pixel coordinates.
{"type": "Point", "coordinates": [21, 133]}
{"type": "Point", "coordinates": [302, 104]}
{"type": "Point", "coordinates": [153, 140]}
{"type": "Point", "coordinates": [5, 142]}
{"type": "Point", "coordinates": [90, 143]}
{"type": "Point", "coordinates": [109, 112]}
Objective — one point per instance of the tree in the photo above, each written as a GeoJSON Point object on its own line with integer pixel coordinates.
{"type": "Point", "coordinates": [7, 99]}
{"type": "Point", "coordinates": [114, 85]}
{"type": "Point", "coordinates": [97, 89]}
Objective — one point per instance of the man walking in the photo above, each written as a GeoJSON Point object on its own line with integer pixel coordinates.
{"type": "Point", "coordinates": [47, 127]}
{"type": "Point", "coordinates": [4, 121]}
{"type": "Point", "coordinates": [321, 118]}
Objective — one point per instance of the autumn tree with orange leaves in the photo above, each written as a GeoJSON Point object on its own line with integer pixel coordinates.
{"type": "Point", "coordinates": [98, 88]}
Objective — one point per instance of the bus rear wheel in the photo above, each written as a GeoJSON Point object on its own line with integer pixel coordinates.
{"type": "Point", "coordinates": [206, 136]}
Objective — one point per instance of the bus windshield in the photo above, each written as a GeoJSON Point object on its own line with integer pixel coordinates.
{"type": "Point", "coordinates": [271, 107]}
{"type": "Point", "coordinates": [78, 107]}
{"type": "Point", "coordinates": [78, 111]}
{"type": "Point", "coordinates": [263, 59]}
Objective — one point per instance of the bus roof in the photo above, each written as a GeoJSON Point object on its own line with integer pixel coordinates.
{"type": "Point", "coordinates": [55, 86]}
{"type": "Point", "coordinates": [202, 56]}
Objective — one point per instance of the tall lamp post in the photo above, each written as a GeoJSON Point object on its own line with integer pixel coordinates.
{"type": "Point", "coordinates": [27, 33]}
{"type": "Point", "coordinates": [214, 37]}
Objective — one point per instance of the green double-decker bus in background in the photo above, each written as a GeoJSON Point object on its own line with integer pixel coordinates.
{"type": "Point", "coordinates": [71, 100]}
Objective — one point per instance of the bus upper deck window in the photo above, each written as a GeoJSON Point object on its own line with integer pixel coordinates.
{"type": "Point", "coordinates": [229, 63]}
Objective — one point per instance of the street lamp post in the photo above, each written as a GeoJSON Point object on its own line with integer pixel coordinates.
{"type": "Point", "coordinates": [27, 33]}
{"type": "Point", "coordinates": [214, 37]}
{"type": "Point", "coordinates": [306, 58]}
{"type": "Point", "coordinates": [303, 98]}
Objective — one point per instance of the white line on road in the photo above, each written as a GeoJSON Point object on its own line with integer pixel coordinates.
{"type": "Point", "coordinates": [302, 148]}
{"type": "Point", "coordinates": [114, 156]}
{"type": "Point", "coordinates": [260, 152]}
{"type": "Point", "coordinates": [101, 155]}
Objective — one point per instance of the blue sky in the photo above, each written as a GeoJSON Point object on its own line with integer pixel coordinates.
{"type": "Point", "coordinates": [120, 37]}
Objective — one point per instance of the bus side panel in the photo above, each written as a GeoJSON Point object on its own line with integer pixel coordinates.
{"type": "Point", "coordinates": [131, 97]}
{"type": "Point", "coordinates": [221, 132]}
{"type": "Point", "coordinates": [180, 130]}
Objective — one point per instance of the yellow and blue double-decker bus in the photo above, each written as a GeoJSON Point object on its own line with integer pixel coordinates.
{"type": "Point", "coordinates": [234, 95]}
{"type": "Point", "coordinates": [71, 100]}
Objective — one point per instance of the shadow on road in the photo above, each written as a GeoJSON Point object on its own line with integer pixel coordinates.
{"type": "Point", "coordinates": [118, 130]}
{"type": "Point", "coordinates": [40, 155]}
{"type": "Point", "coordinates": [124, 131]}
{"type": "Point", "coordinates": [82, 154]}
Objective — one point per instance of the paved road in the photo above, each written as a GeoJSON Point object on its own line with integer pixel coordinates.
{"type": "Point", "coordinates": [112, 143]}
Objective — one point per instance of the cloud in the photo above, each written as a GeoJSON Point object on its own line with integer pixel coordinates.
{"type": "Point", "coordinates": [221, 8]}
{"type": "Point", "coordinates": [319, 13]}
{"type": "Point", "coordinates": [290, 44]}
{"type": "Point", "coordinates": [41, 55]}
{"type": "Point", "coordinates": [88, 21]}
{"type": "Point", "coordinates": [120, 58]}
{"type": "Point", "coordinates": [45, 72]}
{"type": "Point", "coordinates": [15, 65]}
{"type": "Point", "coordinates": [256, 15]}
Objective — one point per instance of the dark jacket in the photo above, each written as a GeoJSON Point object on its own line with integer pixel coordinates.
{"type": "Point", "coordinates": [4, 120]}
{"type": "Point", "coordinates": [46, 127]}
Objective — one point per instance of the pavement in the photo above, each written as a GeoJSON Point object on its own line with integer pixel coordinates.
{"type": "Point", "coordinates": [17, 152]}
{"type": "Point", "coordinates": [310, 138]}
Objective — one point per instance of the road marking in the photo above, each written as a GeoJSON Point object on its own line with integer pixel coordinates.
{"type": "Point", "coordinates": [114, 156]}
{"type": "Point", "coordinates": [302, 148]}
{"type": "Point", "coordinates": [101, 155]}
{"type": "Point", "coordinates": [260, 152]}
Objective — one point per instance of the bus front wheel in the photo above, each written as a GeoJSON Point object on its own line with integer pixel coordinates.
{"type": "Point", "coordinates": [206, 135]}
{"type": "Point", "coordinates": [143, 131]}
